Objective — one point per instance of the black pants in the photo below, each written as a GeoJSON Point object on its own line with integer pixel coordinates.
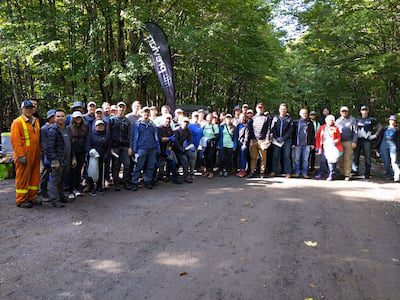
{"type": "Point", "coordinates": [312, 160]}
{"type": "Point", "coordinates": [364, 146]}
{"type": "Point", "coordinates": [184, 162]}
{"type": "Point", "coordinates": [123, 159]}
{"type": "Point", "coordinates": [209, 155]}
{"type": "Point", "coordinates": [76, 173]}
{"type": "Point", "coordinates": [44, 177]}
{"type": "Point", "coordinates": [225, 156]}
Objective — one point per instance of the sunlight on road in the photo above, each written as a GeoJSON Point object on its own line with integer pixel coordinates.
{"type": "Point", "coordinates": [178, 260]}
{"type": "Point", "coordinates": [108, 266]}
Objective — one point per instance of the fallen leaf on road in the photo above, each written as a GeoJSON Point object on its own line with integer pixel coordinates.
{"type": "Point", "coordinates": [308, 299]}
{"type": "Point", "coordinates": [183, 274]}
{"type": "Point", "coordinates": [311, 243]}
{"type": "Point", "coordinates": [77, 223]}
{"type": "Point", "coordinates": [243, 220]}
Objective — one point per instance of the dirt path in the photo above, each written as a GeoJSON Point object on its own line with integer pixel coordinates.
{"type": "Point", "coordinates": [216, 239]}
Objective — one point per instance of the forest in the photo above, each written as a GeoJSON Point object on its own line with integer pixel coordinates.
{"type": "Point", "coordinates": [225, 53]}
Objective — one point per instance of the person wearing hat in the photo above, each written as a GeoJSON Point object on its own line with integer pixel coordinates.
{"type": "Point", "coordinates": [59, 152]}
{"type": "Point", "coordinates": [236, 113]}
{"type": "Point", "coordinates": [348, 134]}
{"type": "Point", "coordinates": [315, 122]}
{"type": "Point", "coordinates": [45, 169]}
{"type": "Point", "coordinates": [144, 147]}
{"type": "Point", "coordinates": [98, 140]}
{"type": "Point", "coordinates": [179, 115]}
{"type": "Point", "coordinates": [389, 148]}
{"type": "Point", "coordinates": [202, 117]}
{"type": "Point", "coordinates": [107, 112]}
{"type": "Point", "coordinates": [113, 111]}
{"type": "Point", "coordinates": [245, 108]}
{"type": "Point", "coordinates": [90, 116]}
{"type": "Point", "coordinates": [168, 163]}
{"type": "Point", "coordinates": [227, 142]}
{"type": "Point", "coordinates": [76, 106]}
{"type": "Point", "coordinates": [25, 140]}
{"type": "Point", "coordinates": [184, 148]}
{"type": "Point", "coordinates": [121, 136]}
{"type": "Point", "coordinates": [368, 129]}
{"type": "Point", "coordinates": [78, 132]}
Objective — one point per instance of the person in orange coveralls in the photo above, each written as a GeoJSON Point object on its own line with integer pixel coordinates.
{"type": "Point", "coordinates": [25, 139]}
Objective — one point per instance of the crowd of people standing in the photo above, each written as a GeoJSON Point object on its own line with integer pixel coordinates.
{"type": "Point", "coordinates": [84, 151]}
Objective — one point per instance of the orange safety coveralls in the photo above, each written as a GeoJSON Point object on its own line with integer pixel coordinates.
{"type": "Point", "coordinates": [25, 139]}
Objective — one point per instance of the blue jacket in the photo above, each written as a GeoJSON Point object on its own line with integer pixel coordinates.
{"type": "Point", "coordinates": [197, 133]}
{"type": "Point", "coordinates": [221, 137]}
{"type": "Point", "coordinates": [145, 136]}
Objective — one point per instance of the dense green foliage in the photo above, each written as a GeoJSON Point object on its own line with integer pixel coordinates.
{"type": "Point", "coordinates": [225, 52]}
{"type": "Point", "coordinates": [349, 55]}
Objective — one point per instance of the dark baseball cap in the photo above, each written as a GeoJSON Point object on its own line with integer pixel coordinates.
{"type": "Point", "coordinates": [27, 104]}
{"type": "Point", "coordinates": [77, 104]}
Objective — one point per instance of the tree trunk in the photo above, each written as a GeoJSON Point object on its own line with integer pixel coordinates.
{"type": "Point", "coordinates": [13, 84]}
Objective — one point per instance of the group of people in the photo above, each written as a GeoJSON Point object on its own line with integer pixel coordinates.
{"type": "Point", "coordinates": [84, 151]}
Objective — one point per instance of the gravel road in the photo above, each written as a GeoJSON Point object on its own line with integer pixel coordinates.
{"type": "Point", "coordinates": [225, 238]}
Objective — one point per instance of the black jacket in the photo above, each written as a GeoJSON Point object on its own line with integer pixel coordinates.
{"type": "Point", "coordinates": [100, 141]}
{"type": "Point", "coordinates": [55, 144]}
{"type": "Point", "coordinates": [310, 133]}
{"type": "Point", "coordinates": [182, 135]}
{"type": "Point", "coordinates": [282, 127]}
{"type": "Point", "coordinates": [120, 132]}
{"type": "Point", "coordinates": [78, 141]}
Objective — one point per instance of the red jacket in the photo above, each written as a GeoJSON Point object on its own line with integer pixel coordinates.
{"type": "Point", "coordinates": [336, 138]}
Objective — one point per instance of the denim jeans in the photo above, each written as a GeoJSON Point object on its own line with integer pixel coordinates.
{"type": "Point", "coordinates": [242, 154]}
{"type": "Point", "coordinates": [388, 154]}
{"type": "Point", "coordinates": [285, 150]}
{"type": "Point", "coordinates": [366, 147]}
{"type": "Point", "coordinates": [192, 157]}
{"type": "Point", "coordinates": [148, 157]}
{"type": "Point", "coordinates": [302, 154]}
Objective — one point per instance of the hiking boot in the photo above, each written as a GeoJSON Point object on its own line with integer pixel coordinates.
{"type": "Point", "coordinates": [57, 204]}
{"type": "Point", "coordinates": [226, 174]}
{"type": "Point", "coordinates": [71, 196]}
{"type": "Point", "coordinates": [36, 202]}
{"type": "Point", "coordinates": [134, 187]}
{"type": "Point", "coordinates": [187, 179]}
{"type": "Point", "coordinates": [77, 193]}
{"type": "Point", "coordinates": [116, 187]}
{"type": "Point", "coordinates": [25, 205]}
{"type": "Point", "coordinates": [154, 182]}
{"type": "Point", "coordinates": [221, 173]}
{"type": "Point", "coordinates": [330, 178]}
{"type": "Point", "coordinates": [205, 174]}
{"type": "Point", "coordinates": [272, 174]}
{"type": "Point", "coordinates": [148, 185]}
{"type": "Point", "coordinates": [319, 177]}
{"type": "Point", "coordinates": [251, 175]}
{"type": "Point", "coordinates": [177, 180]}
{"type": "Point", "coordinates": [210, 175]}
